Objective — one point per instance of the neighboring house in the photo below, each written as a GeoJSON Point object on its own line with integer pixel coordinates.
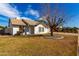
{"type": "Point", "coordinates": [26, 26]}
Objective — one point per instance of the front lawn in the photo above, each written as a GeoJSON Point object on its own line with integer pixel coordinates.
{"type": "Point", "coordinates": [37, 46]}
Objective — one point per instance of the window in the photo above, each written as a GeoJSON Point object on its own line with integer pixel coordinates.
{"type": "Point", "coordinates": [41, 29]}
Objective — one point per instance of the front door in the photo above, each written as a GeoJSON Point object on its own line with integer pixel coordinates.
{"type": "Point", "coordinates": [21, 28]}
{"type": "Point", "coordinates": [32, 29]}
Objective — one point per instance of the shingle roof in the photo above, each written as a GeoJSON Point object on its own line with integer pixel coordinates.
{"type": "Point", "coordinates": [30, 22]}
{"type": "Point", "coordinates": [17, 22]}
{"type": "Point", "coordinates": [23, 22]}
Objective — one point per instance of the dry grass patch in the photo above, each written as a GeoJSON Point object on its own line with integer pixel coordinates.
{"type": "Point", "coordinates": [37, 46]}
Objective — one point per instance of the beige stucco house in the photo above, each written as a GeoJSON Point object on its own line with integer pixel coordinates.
{"type": "Point", "coordinates": [26, 26]}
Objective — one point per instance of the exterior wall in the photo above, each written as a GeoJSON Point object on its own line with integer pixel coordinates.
{"type": "Point", "coordinates": [28, 29]}
{"type": "Point", "coordinates": [36, 29]}
{"type": "Point", "coordinates": [15, 29]}
{"type": "Point", "coordinates": [12, 29]}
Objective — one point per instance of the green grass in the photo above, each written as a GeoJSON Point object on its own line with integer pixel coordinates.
{"type": "Point", "coordinates": [37, 46]}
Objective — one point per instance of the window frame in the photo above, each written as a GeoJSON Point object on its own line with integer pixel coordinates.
{"type": "Point", "coordinates": [41, 29]}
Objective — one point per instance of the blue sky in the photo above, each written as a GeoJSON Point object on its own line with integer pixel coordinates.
{"type": "Point", "coordinates": [32, 10]}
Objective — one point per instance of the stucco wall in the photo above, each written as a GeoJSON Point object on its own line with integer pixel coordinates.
{"type": "Point", "coordinates": [36, 29]}
{"type": "Point", "coordinates": [15, 29]}
{"type": "Point", "coordinates": [29, 30]}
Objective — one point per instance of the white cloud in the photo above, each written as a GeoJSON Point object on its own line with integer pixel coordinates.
{"type": "Point", "coordinates": [26, 18]}
{"type": "Point", "coordinates": [32, 12]}
{"type": "Point", "coordinates": [8, 10]}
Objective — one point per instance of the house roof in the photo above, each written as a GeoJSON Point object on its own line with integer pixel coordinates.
{"type": "Point", "coordinates": [25, 21]}
{"type": "Point", "coordinates": [30, 22]}
{"type": "Point", "coordinates": [17, 22]}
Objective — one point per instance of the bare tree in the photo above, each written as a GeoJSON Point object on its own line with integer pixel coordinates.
{"type": "Point", "coordinates": [53, 21]}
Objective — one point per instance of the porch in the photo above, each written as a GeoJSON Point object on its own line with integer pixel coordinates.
{"type": "Point", "coordinates": [25, 30]}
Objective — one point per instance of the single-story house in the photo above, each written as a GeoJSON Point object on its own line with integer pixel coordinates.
{"type": "Point", "coordinates": [26, 26]}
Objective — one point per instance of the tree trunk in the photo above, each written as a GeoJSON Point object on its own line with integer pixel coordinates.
{"type": "Point", "coordinates": [51, 30]}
